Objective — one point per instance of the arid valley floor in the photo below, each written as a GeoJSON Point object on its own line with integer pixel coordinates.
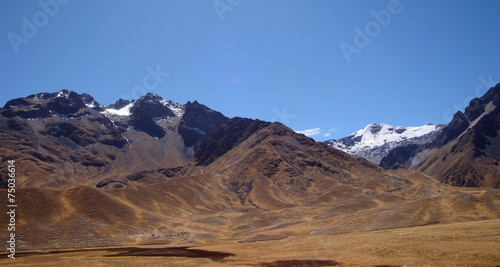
{"type": "Point", "coordinates": [457, 244]}
{"type": "Point", "coordinates": [458, 229]}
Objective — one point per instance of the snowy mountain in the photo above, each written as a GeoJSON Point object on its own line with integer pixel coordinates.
{"type": "Point", "coordinates": [66, 134]}
{"type": "Point", "coordinates": [375, 141]}
{"type": "Point", "coordinates": [464, 152]}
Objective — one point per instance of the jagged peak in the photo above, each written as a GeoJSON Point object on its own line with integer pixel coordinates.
{"type": "Point", "coordinates": [150, 96]}
{"type": "Point", "coordinates": [120, 103]}
{"type": "Point", "coordinates": [64, 93]}
{"type": "Point", "coordinates": [43, 105]}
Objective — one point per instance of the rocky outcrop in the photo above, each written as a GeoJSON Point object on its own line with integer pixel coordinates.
{"type": "Point", "coordinates": [120, 103]}
{"type": "Point", "coordinates": [197, 122]}
{"type": "Point", "coordinates": [229, 135]}
{"type": "Point", "coordinates": [145, 111]}
{"type": "Point", "coordinates": [107, 181]}
{"type": "Point", "coordinates": [63, 103]}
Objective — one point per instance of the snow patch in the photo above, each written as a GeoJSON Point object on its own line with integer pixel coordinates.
{"type": "Point", "coordinates": [63, 94]}
{"type": "Point", "coordinates": [91, 105]}
{"type": "Point", "coordinates": [174, 107]}
{"type": "Point", "coordinates": [125, 111]}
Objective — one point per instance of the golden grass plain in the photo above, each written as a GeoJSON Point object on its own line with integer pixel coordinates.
{"type": "Point", "coordinates": [474, 243]}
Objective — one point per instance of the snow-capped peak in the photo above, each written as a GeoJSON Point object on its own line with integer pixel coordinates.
{"type": "Point", "coordinates": [376, 140]}
{"type": "Point", "coordinates": [379, 134]}
{"type": "Point", "coordinates": [150, 98]}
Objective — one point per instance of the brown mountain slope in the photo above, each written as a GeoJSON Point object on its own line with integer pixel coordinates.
{"type": "Point", "coordinates": [65, 140]}
{"type": "Point", "coordinates": [466, 152]}
{"type": "Point", "coordinates": [274, 167]}
{"type": "Point", "coordinates": [55, 153]}
{"type": "Point", "coordinates": [264, 183]}
{"type": "Point", "coordinates": [473, 158]}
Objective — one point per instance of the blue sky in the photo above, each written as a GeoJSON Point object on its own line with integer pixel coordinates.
{"type": "Point", "coordinates": [407, 63]}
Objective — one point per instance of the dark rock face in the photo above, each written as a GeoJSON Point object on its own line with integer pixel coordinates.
{"type": "Point", "coordinates": [19, 125]}
{"type": "Point", "coordinates": [89, 100]}
{"type": "Point", "coordinates": [37, 112]}
{"type": "Point", "coordinates": [106, 181]}
{"type": "Point", "coordinates": [399, 157]}
{"type": "Point", "coordinates": [242, 190]}
{"type": "Point", "coordinates": [375, 128]}
{"type": "Point", "coordinates": [25, 108]}
{"type": "Point", "coordinates": [120, 103]}
{"type": "Point", "coordinates": [461, 121]}
{"type": "Point", "coordinates": [75, 134]}
{"type": "Point", "coordinates": [84, 137]}
{"type": "Point", "coordinates": [349, 140]}
{"type": "Point", "coordinates": [67, 105]}
{"type": "Point", "coordinates": [229, 135]}
{"type": "Point", "coordinates": [150, 106]}
{"type": "Point", "coordinates": [18, 102]}
{"type": "Point", "coordinates": [157, 175]}
{"type": "Point", "coordinates": [114, 139]}
{"type": "Point", "coordinates": [484, 136]}
{"type": "Point", "coordinates": [456, 127]}
{"type": "Point", "coordinates": [144, 112]}
{"type": "Point", "coordinates": [45, 105]}
{"type": "Point", "coordinates": [199, 121]}
{"type": "Point", "coordinates": [477, 105]}
{"type": "Point", "coordinates": [490, 124]}
{"type": "Point", "coordinates": [475, 109]}
{"type": "Point", "coordinates": [147, 125]}
{"type": "Point", "coordinates": [87, 160]}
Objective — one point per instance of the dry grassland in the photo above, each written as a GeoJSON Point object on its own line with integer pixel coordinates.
{"type": "Point", "coordinates": [474, 243]}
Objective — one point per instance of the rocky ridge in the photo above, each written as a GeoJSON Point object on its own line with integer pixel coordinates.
{"type": "Point", "coordinates": [81, 136]}
{"type": "Point", "coordinates": [464, 152]}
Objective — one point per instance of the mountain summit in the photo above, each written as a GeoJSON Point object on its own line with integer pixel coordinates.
{"type": "Point", "coordinates": [465, 152]}
{"type": "Point", "coordinates": [81, 136]}
{"type": "Point", "coordinates": [375, 141]}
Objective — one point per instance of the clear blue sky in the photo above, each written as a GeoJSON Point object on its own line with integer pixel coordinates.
{"type": "Point", "coordinates": [272, 60]}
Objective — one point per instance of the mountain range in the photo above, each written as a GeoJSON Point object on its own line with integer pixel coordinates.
{"type": "Point", "coordinates": [376, 141]}
{"type": "Point", "coordinates": [465, 152]}
{"type": "Point", "coordinates": [151, 171]}
{"type": "Point", "coordinates": [63, 136]}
